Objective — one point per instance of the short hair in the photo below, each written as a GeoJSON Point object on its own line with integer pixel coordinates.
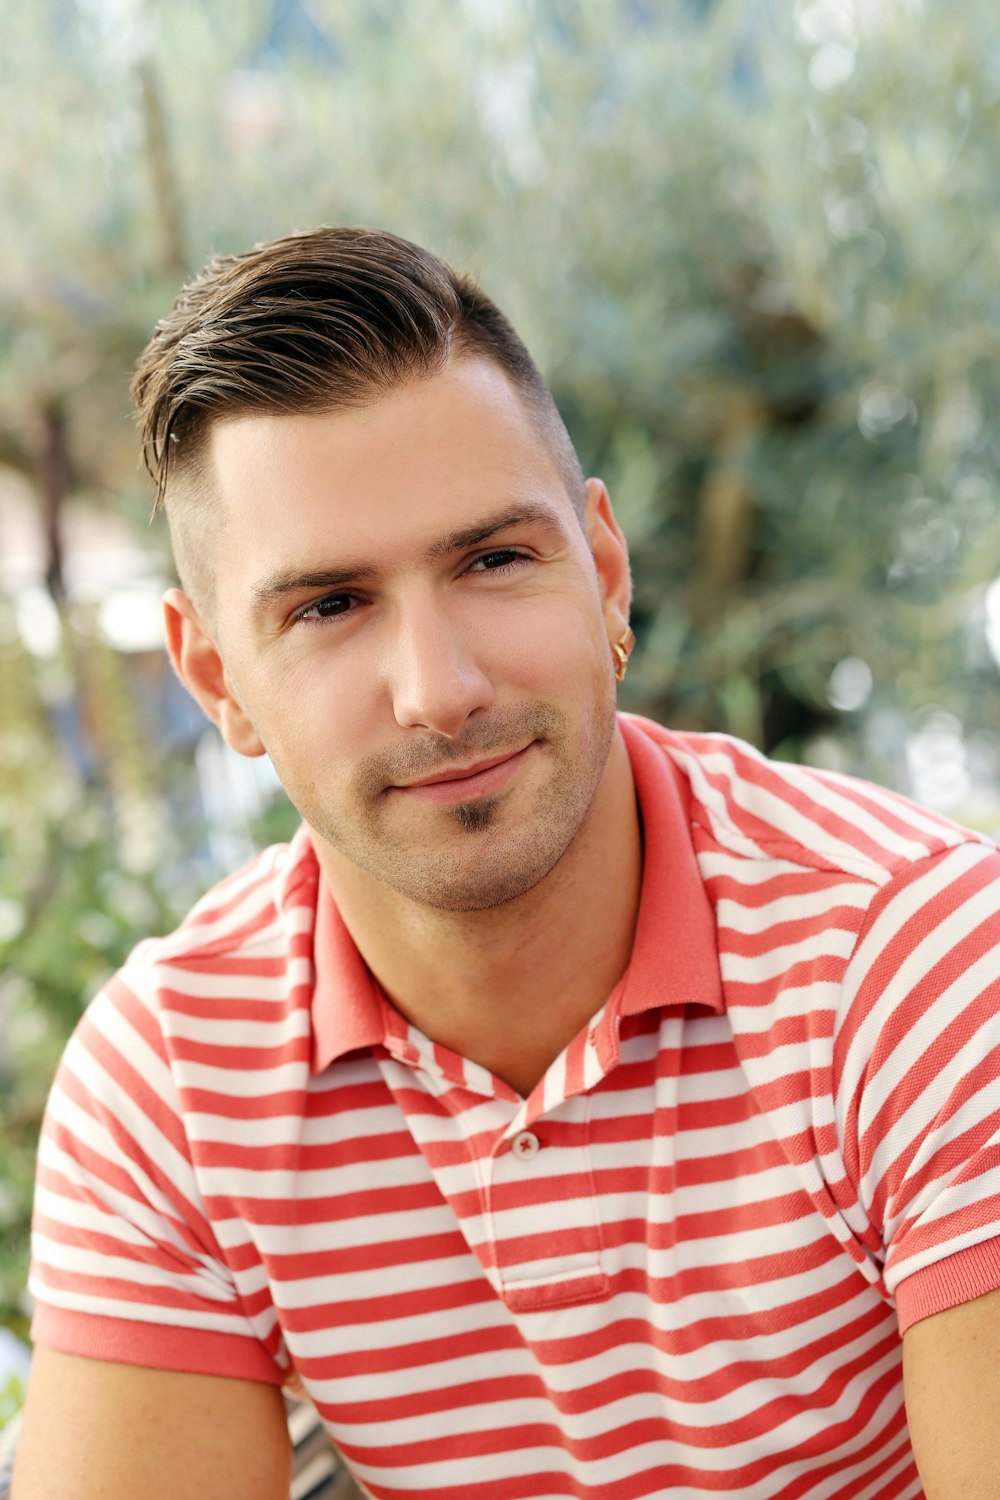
{"type": "Point", "coordinates": [322, 320]}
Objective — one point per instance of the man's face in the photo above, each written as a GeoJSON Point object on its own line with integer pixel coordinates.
{"type": "Point", "coordinates": [412, 622]}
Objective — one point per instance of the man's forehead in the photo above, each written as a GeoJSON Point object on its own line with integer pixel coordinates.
{"type": "Point", "coordinates": [439, 451]}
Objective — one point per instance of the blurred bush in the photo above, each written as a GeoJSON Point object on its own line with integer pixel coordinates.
{"type": "Point", "coordinates": [754, 248]}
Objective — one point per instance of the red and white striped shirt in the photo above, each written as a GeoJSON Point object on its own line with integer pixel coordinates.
{"type": "Point", "coordinates": [680, 1266]}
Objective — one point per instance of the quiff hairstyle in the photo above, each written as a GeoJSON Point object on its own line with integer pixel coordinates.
{"type": "Point", "coordinates": [321, 321]}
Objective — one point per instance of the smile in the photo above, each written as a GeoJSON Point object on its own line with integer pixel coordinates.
{"type": "Point", "coordinates": [478, 780]}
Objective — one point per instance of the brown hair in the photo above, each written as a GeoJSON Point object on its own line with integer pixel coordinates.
{"type": "Point", "coordinates": [326, 319]}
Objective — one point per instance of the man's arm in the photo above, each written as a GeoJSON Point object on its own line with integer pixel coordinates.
{"type": "Point", "coordinates": [951, 1371]}
{"type": "Point", "coordinates": [102, 1431]}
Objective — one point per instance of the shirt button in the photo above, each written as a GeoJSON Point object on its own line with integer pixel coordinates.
{"type": "Point", "coordinates": [525, 1145]}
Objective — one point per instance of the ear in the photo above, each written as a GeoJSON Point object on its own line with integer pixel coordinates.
{"type": "Point", "coordinates": [610, 553]}
{"type": "Point", "coordinates": [198, 663]}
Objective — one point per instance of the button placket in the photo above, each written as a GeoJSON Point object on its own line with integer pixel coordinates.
{"type": "Point", "coordinates": [547, 1252]}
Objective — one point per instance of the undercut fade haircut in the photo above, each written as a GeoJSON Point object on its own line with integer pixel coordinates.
{"type": "Point", "coordinates": [321, 321]}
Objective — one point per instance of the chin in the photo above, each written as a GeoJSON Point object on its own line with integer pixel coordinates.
{"type": "Point", "coordinates": [492, 870]}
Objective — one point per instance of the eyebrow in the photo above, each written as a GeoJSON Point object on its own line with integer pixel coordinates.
{"type": "Point", "coordinates": [531, 513]}
{"type": "Point", "coordinates": [274, 585]}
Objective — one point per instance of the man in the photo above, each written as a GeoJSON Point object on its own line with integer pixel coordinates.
{"type": "Point", "coordinates": [574, 1107]}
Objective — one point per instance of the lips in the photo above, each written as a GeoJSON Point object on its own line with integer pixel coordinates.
{"type": "Point", "coordinates": [459, 783]}
{"type": "Point", "coordinates": [462, 773]}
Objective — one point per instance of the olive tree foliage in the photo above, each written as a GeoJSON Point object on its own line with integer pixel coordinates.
{"type": "Point", "coordinates": [754, 247]}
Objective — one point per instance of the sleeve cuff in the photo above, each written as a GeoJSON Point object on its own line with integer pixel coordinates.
{"type": "Point", "coordinates": [156, 1346]}
{"type": "Point", "coordinates": [958, 1278]}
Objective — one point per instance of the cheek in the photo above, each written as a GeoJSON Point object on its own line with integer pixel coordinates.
{"type": "Point", "coordinates": [558, 655]}
{"type": "Point", "coordinates": [310, 718]}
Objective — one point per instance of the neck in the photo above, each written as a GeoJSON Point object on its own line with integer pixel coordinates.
{"type": "Point", "coordinates": [509, 987]}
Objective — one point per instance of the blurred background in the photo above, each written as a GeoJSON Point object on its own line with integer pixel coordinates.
{"type": "Point", "coordinates": [754, 246]}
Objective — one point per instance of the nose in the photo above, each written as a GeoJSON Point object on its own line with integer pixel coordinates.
{"type": "Point", "coordinates": [436, 678]}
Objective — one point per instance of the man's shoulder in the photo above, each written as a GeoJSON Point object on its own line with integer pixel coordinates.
{"type": "Point", "coordinates": [239, 965]}
{"type": "Point", "coordinates": [263, 909]}
{"type": "Point", "coordinates": [748, 807]}
{"type": "Point", "coordinates": [197, 1022]}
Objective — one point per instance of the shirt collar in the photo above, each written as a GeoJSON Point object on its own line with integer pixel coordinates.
{"type": "Point", "coordinates": [348, 1008]}
{"type": "Point", "coordinates": [674, 953]}
{"type": "Point", "coordinates": [675, 956]}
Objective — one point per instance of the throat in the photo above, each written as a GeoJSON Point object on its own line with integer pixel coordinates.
{"type": "Point", "coordinates": [517, 1031]}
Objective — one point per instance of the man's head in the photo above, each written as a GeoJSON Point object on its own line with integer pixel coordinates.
{"type": "Point", "coordinates": [329, 320]}
{"type": "Point", "coordinates": [412, 595]}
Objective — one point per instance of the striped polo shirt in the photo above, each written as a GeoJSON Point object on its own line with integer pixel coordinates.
{"type": "Point", "coordinates": [680, 1266]}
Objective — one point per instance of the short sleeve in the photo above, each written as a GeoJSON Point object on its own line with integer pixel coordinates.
{"type": "Point", "coordinates": [126, 1264]}
{"type": "Point", "coordinates": [917, 1080]}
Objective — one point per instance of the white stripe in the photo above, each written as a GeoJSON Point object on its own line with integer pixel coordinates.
{"type": "Point", "coordinates": [834, 943]}
{"type": "Point", "coordinates": [803, 906]}
{"type": "Point", "coordinates": [234, 1032]}
{"type": "Point", "coordinates": [715, 864]}
{"type": "Point", "coordinates": [144, 1312]}
{"type": "Point", "coordinates": [246, 1083]}
{"type": "Point", "coordinates": [272, 989]}
{"type": "Point", "coordinates": [816, 999]}
{"type": "Point", "coordinates": [350, 1286]}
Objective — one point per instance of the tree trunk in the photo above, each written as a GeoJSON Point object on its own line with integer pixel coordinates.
{"type": "Point", "coordinates": [53, 483]}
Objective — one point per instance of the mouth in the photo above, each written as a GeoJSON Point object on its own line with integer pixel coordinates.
{"type": "Point", "coordinates": [481, 779]}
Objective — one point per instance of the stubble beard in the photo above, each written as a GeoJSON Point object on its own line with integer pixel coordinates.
{"type": "Point", "coordinates": [494, 864]}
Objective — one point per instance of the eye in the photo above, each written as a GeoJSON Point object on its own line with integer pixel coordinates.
{"type": "Point", "coordinates": [327, 608]}
{"type": "Point", "coordinates": [500, 560]}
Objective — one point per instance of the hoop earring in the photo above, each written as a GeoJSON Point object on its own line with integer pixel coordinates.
{"type": "Point", "coordinates": [621, 651]}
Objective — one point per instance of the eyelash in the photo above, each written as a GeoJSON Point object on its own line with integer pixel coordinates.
{"type": "Point", "coordinates": [515, 560]}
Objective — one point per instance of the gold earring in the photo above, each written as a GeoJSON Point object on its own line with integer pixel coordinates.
{"type": "Point", "coordinates": [621, 651]}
